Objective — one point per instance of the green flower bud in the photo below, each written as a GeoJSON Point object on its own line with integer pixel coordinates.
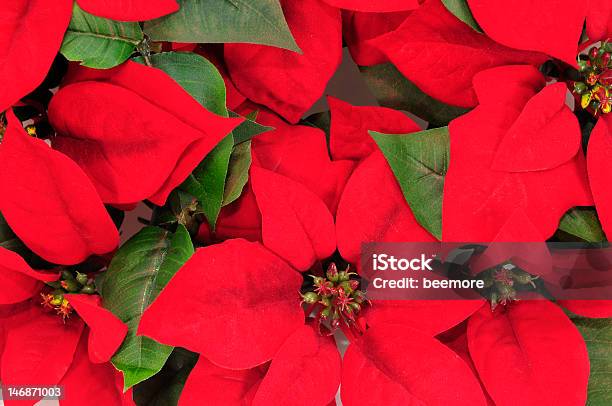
{"type": "Point", "coordinates": [355, 306]}
{"type": "Point", "coordinates": [88, 290]}
{"type": "Point", "coordinates": [346, 286]}
{"type": "Point", "coordinates": [332, 273]}
{"type": "Point", "coordinates": [71, 286]}
{"type": "Point", "coordinates": [580, 87]}
{"type": "Point", "coordinates": [583, 65]}
{"type": "Point", "coordinates": [57, 300]}
{"type": "Point", "coordinates": [310, 297]}
{"type": "Point", "coordinates": [488, 280]}
{"type": "Point", "coordinates": [81, 278]}
{"type": "Point", "coordinates": [524, 278]}
{"type": "Point", "coordinates": [505, 291]}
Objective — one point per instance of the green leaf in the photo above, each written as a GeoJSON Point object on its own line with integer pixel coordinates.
{"type": "Point", "coordinates": [321, 120]}
{"type": "Point", "coordinates": [248, 129]}
{"type": "Point", "coordinates": [225, 21]}
{"type": "Point", "coordinates": [207, 182]}
{"type": "Point", "coordinates": [583, 223]}
{"type": "Point", "coordinates": [238, 173]}
{"type": "Point", "coordinates": [196, 74]}
{"type": "Point", "coordinates": [461, 10]}
{"type": "Point", "coordinates": [137, 274]}
{"type": "Point", "coordinates": [180, 208]}
{"type": "Point", "coordinates": [165, 388]}
{"type": "Point", "coordinates": [597, 335]}
{"type": "Point", "coordinates": [419, 162]}
{"type": "Point", "coordinates": [99, 42]}
{"type": "Point", "coordinates": [393, 90]}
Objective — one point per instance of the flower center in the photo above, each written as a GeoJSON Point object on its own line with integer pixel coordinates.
{"type": "Point", "coordinates": [335, 298]}
{"type": "Point", "coordinates": [503, 282]}
{"type": "Point", "coordinates": [595, 86]}
{"type": "Point", "coordinates": [52, 295]}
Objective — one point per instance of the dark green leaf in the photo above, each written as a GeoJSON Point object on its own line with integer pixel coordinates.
{"type": "Point", "coordinates": [419, 162]}
{"type": "Point", "coordinates": [137, 274]}
{"type": "Point", "coordinates": [393, 90]}
{"type": "Point", "coordinates": [180, 208]}
{"type": "Point", "coordinates": [321, 120]}
{"type": "Point", "coordinates": [225, 21]}
{"type": "Point", "coordinates": [597, 334]}
{"type": "Point", "coordinates": [583, 223]}
{"type": "Point", "coordinates": [207, 182]}
{"type": "Point", "coordinates": [164, 389]}
{"type": "Point", "coordinates": [461, 10]}
{"type": "Point", "coordinates": [248, 129]}
{"type": "Point", "coordinates": [238, 174]}
{"type": "Point", "coordinates": [99, 42]}
{"type": "Point", "coordinates": [196, 74]}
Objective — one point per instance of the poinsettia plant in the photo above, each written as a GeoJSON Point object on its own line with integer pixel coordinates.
{"type": "Point", "coordinates": [186, 185]}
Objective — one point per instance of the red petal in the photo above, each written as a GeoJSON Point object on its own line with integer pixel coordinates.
{"type": "Point", "coordinates": [129, 10]}
{"type": "Point", "coordinates": [548, 26]}
{"type": "Point", "coordinates": [362, 218]}
{"type": "Point", "coordinates": [18, 281]}
{"type": "Point", "coordinates": [358, 28]}
{"type": "Point", "coordinates": [396, 365]}
{"type": "Point", "coordinates": [137, 133]}
{"type": "Point", "coordinates": [304, 371]}
{"type": "Point", "coordinates": [529, 353]}
{"type": "Point", "coordinates": [287, 82]}
{"type": "Point", "coordinates": [241, 219]}
{"type": "Point", "coordinates": [456, 340]}
{"type": "Point", "coordinates": [431, 317]}
{"type": "Point", "coordinates": [533, 257]}
{"type": "Point", "coordinates": [595, 309]}
{"type": "Point", "coordinates": [599, 163]}
{"type": "Point", "coordinates": [300, 153]}
{"type": "Point", "coordinates": [375, 6]}
{"type": "Point", "coordinates": [32, 32]}
{"type": "Point", "coordinates": [349, 137]}
{"type": "Point", "coordinates": [49, 202]}
{"type": "Point", "coordinates": [296, 224]}
{"type": "Point", "coordinates": [544, 136]}
{"type": "Point", "coordinates": [209, 384]}
{"type": "Point", "coordinates": [40, 348]}
{"type": "Point", "coordinates": [599, 20]}
{"type": "Point", "coordinates": [479, 200]}
{"type": "Point", "coordinates": [441, 54]}
{"type": "Point", "coordinates": [106, 332]}
{"type": "Point", "coordinates": [87, 383]}
{"type": "Point", "coordinates": [235, 302]}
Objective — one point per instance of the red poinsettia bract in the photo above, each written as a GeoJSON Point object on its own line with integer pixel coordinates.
{"type": "Point", "coordinates": [49, 202]}
{"type": "Point", "coordinates": [46, 343]}
{"type": "Point", "coordinates": [500, 164]}
{"type": "Point", "coordinates": [134, 131]}
{"type": "Point", "coordinates": [285, 81]}
{"type": "Point", "coordinates": [33, 31]}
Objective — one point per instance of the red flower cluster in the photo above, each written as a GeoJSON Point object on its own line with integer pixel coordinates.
{"type": "Point", "coordinates": [274, 288]}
